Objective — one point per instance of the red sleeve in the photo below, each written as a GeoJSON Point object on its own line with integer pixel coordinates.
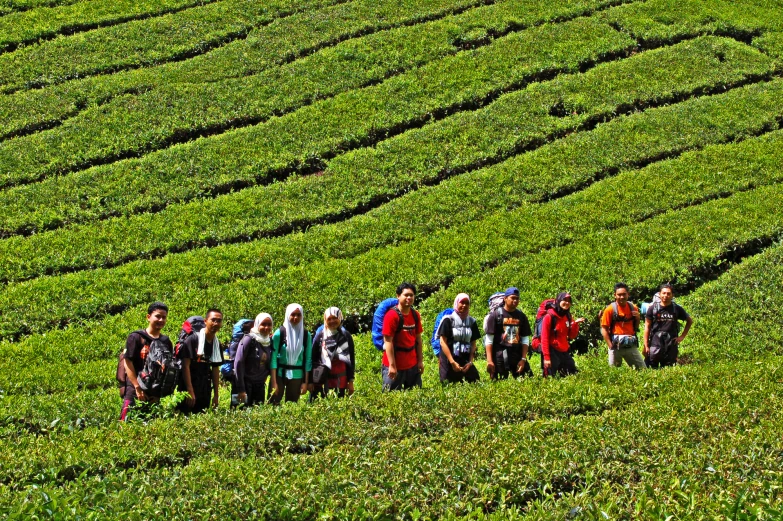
{"type": "Point", "coordinates": [391, 321]}
{"type": "Point", "coordinates": [546, 328]}
{"type": "Point", "coordinates": [573, 331]}
{"type": "Point", "coordinates": [419, 328]}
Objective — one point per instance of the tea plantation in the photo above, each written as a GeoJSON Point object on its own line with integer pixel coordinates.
{"type": "Point", "coordinates": [249, 154]}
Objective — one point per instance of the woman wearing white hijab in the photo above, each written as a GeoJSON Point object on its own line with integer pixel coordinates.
{"type": "Point", "coordinates": [458, 334]}
{"type": "Point", "coordinates": [291, 356]}
{"type": "Point", "coordinates": [252, 362]}
{"type": "Point", "coordinates": [333, 357]}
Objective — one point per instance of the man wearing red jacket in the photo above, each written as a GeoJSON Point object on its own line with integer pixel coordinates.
{"type": "Point", "coordinates": [558, 328]}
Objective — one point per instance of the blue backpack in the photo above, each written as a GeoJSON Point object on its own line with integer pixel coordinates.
{"type": "Point", "coordinates": [435, 339]}
{"type": "Point", "coordinates": [377, 321]}
{"type": "Point", "coordinates": [241, 327]}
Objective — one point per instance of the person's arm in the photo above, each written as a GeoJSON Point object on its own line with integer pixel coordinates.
{"type": "Point", "coordinates": [130, 374]}
{"type": "Point", "coordinates": [239, 369]}
{"type": "Point", "coordinates": [419, 352]}
{"type": "Point", "coordinates": [215, 385]}
{"type": "Point", "coordinates": [351, 370]}
{"type": "Point", "coordinates": [444, 348]}
{"type": "Point", "coordinates": [688, 324]}
{"type": "Point", "coordinates": [646, 336]}
{"type": "Point", "coordinates": [546, 327]}
{"type": "Point", "coordinates": [307, 355]}
{"type": "Point", "coordinates": [273, 362]}
{"type": "Point", "coordinates": [490, 336]}
{"type": "Point", "coordinates": [525, 333]}
{"type": "Point", "coordinates": [388, 347]}
{"type": "Point", "coordinates": [573, 331]}
{"type": "Point", "coordinates": [191, 400]}
{"type": "Point", "coordinates": [605, 325]}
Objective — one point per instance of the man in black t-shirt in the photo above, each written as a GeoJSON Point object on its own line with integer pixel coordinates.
{"type": "Point", "coordinates": [507, 339]}
{"type": "Point", "coordinates": [136, 349]}
{"type": "Point", "coordinates": [201, 358]}
{"type": "Point", "coordinates": [662, 330]}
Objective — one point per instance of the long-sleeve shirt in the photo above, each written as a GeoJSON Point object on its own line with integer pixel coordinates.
{"type": "Point", "coordinates": [563, 333]}
{"type": "Point", "coordinates": [342, 345]}
{"type": "Point", "coordinates": [280, 357]}
{"type": "Point", "coordinates": [251, 363]}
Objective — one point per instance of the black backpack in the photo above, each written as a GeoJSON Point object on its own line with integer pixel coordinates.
{"type": "Point", "coordinates": [160, 374]}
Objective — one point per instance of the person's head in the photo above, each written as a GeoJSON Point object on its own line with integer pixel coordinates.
{"type": "Point", "coordinates": [406, 294]}
{"type": "Point", "coordinates": [333, 318]}
{"type": "Point", "coordinates": [511, 299]}
{"type": "Point", "coordinates": [157, 314]}
{"type": "Point", "coordinates": [294, 314]}
{"type": "Point", "coordinates": [213, 320]}
{"type": "Point", "coordinates": [263, 324]}
{"type": "Point", "coordinates": [462, 304]}
{"type": "Point", "coordinates": [621, 292]}
{"type": "Point", "coordinates": [563, 302]}
{"type": "Point", "coordinates": [666, 293]}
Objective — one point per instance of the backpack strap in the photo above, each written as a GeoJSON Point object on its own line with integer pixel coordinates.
{"type": "Point", "coordinates": [401, 324]}
{"type": "Point", "coordinates": [283, 340]}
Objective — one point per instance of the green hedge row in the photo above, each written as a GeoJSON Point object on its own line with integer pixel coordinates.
{"type": "Point", "coordinates": [32, 25]}
{"type": "Point", "coordinates": [10, 6]}
{"type": "Point", "coordinates": [139, 43]}
{"type": "Point", "coordinates": [738, 313]}
{"type": "Point", "coordinates": [686, 247]}
{"type": "Point", "coordinates": [517, 120]}
{"type": "Point", "coordinates": [690, 448]}
{"type": "Point", "coordinates": [512, 237]}
{"type": "Point", "coordinates": [134, 125]}
{"type": "Point", "coordinates": [664, 20]}
{"type": "Point", "coordinates": [37, 305]}
{"type": "Point", "coordinates": [771, 43]}
{"type": "Point", "coordinates": [295, 36]}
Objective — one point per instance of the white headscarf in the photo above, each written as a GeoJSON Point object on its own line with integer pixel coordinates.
{"type": "Point", "coordinates": [332, 312]}
{"type": "Point", "coordinates": [256, 334]}
{"type": "Point", "coordinates": [294, 334]}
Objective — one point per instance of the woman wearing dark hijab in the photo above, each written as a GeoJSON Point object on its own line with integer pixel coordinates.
{"type": "Point", "coordinates": [558, 328]}
{"type": "Point", "coordinates": [333, 357]}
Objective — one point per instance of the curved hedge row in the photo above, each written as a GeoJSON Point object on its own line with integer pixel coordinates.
{"type": "Point", "coordinates": [516, 121]}
{"type": "Point", "coordinates": [560, 167]}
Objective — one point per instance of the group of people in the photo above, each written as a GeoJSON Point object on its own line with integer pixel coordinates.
{"type": "Point", "coordinates": [275, 364]}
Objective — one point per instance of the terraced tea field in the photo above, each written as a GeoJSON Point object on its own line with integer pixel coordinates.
{"type": "Point", "coordinates": [247, 155]}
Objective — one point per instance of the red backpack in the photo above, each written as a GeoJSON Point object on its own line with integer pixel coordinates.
{"type": "Point", "coordinates": [543, 309]}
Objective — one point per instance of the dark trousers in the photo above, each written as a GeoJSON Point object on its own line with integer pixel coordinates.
{"type": "Point", "coordinates": [449, 375]}
{"type": "Point", "coordinates": [667, 360]}
{"type": "Point", "coordinates": [562, 364]}
{"type": "Point", "coordinates": [406, 379]}
{"type": "Point", "coordinates": [506, 361]}
{"type": "Point", "coordinates": [202, 388]}
{"type": "Point", "coordinates": [255, 390]}
{"type": "Point", "coordinates": [290, 389]}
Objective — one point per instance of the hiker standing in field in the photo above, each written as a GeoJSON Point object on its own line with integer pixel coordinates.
{"type": "Point", "coordinates": [291, 356]}
{"type": "Point", "coordinates": [662, 327]}
{"type": "Point", "coordinates": [403, 362]}
{"type": "Point", "coordinates": [334, 361]}
{"type": "Point", "coordinates": [508, 339]}
{"type": "Point", "coordinates": [201, 357]}
{"type": "Point", "coordinates": [619, 325]}
{"type": "Point", "coordinates": [458, 333]}
{"type": "Point", "coordinates": [252, 362]}
{"type": "Point", "coordinates": [136, 350]}
{"type": "Point", "coordinates": [558, 328]}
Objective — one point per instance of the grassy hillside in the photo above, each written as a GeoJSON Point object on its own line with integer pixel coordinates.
{"type": "Point", "coordinates": [247, 155]}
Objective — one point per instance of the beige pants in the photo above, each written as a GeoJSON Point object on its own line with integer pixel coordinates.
{"type": "Point", "coordinates": [631, 355]}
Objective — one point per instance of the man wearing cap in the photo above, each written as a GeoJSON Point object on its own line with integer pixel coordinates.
{"type": "Point", "coordinates": [508, 338]}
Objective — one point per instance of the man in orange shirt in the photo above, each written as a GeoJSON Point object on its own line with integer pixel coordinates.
{"type": "Point", "coordinates": [619, 325]}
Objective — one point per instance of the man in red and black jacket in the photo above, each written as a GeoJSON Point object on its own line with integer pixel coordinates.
{"type": "Point", "coordinates": [403, 362]}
